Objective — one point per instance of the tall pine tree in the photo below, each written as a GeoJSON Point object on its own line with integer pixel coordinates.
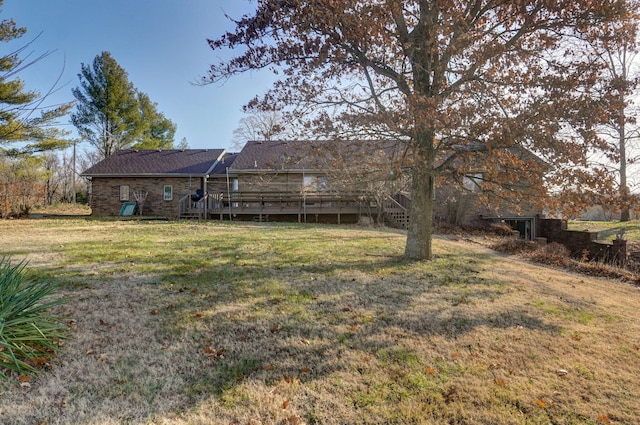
{"type": "Point", "coordinates": [157, 131]}
{"type": "Point", "coordinates": [27, 125]}
{"type": "Point", "coordinates": [107, 110]}
{"type": "Point", "coordinates": [111, 114]}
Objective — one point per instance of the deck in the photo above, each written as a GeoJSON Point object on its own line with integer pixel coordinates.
{"type": "Point", "coordinates": [261, 205]}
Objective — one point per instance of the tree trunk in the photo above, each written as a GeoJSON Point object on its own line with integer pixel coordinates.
{"type": "Point", "coordinates": [420, 228]}
{"type": "Point", "coordinates": [624, 188]}
{"type": "Point", "coordinates": [625, 214]}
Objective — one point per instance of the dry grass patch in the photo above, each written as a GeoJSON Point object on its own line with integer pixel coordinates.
{"type": "Point", "coordinates": [557, 255]}
{"type": "Point", "coordinates": [181, 323]}
{"type": "Point", "coordinates": [608, 229]}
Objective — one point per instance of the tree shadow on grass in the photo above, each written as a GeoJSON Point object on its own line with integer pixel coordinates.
{"type": "Point", "coordinates": [309, 327]}
{"type": "Point", "coordinates": [238, 324]}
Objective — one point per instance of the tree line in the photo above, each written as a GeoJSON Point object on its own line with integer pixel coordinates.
{"type": "Point", "coordinates": [109, 114]}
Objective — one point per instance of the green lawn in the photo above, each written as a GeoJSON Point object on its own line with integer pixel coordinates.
{"type": "Point", "coordinates": [221, 323]}
{"type": "Point", "coordinates": [608, 229]}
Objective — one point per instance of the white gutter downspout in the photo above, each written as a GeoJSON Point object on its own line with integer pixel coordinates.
{"type": "Point", "coordinates": [205, 196]}
{"type": "Point", "coordinates": [228, 192]}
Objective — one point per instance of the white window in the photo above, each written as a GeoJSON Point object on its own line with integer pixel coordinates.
{"type": "Point", "coordinates": [315, 183]}
{"type": "Point", "coordinates": [167, 192]}
{"type": "Point", "coordinates": [124, 193]}
{"type": "Point", "coordinates": [472, 182]}
{"type": "Point", "coordinates": [308, 181]}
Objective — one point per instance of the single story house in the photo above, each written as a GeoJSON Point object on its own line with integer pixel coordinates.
{"type": "Point", "coordinates": [155, 179]}
{"type": "Point", "coordinates": [279, 180]}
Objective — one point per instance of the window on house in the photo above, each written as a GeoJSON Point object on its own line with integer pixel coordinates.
{"type": "Point", "coordinates": [124, 193]}
{"type": "Point", "coordinates": [167, 192]}
{"type": "Point", "coordinates": [235, 185]}
{"type": "Point", "coordinates": [315, 183]}
{"type": "Point", "coordinates": [307, 181]}
{"type": "Point", "coordinates": [473, 182]}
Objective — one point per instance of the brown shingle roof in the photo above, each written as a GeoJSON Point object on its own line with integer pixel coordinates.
{"type": "Point", "coordinates": [225, 162]}
{"type": "Point", "coordinates": [197, 162]}
{"type": "Point", "coordinates": [270, 155]}
{"type": "Point", "coordinates": [307, 155]}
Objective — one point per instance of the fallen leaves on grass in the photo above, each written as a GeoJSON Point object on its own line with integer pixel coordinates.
{"type": "Point", "coordinates": [290, 379]}
{"type": "Point", "coordinates": [39, 362]}
{"type": "Point", "coordinates": [213, 353]}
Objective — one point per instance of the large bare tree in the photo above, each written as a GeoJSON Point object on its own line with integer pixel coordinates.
{"type": "Point", "coordinates": [619, 128]}
{"type": "Point", "coordinates": [451, 79]}
{"type": "Point", "coordinates": [258, 125]}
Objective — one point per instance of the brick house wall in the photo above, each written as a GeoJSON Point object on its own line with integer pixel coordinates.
{"type": "Point", "coordinates": [583, 244]}
{"type": "Point", "coordinates": [105, 194]}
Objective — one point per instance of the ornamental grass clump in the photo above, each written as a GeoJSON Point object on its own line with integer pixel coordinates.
{"type": "Point", "coordinates": [29, 334]}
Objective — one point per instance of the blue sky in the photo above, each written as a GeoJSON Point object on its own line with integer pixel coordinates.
{"type": "Point", "coordinates": [160, 43]}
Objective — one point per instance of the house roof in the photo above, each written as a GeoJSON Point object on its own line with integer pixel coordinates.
{"type": "Point", "coordinates": [271, 155]}
{"type": "Point", "coordinates": [305, 155]}
{"type": "Point", "coordinates": [225, 162]}
{"type": "Point", "coordinates": [192, 162]}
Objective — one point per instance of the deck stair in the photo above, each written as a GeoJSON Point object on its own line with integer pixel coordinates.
{"type": "Point", "coordinates": [396, 211]}
{"type": "Point", "coordinates": [192, 209]}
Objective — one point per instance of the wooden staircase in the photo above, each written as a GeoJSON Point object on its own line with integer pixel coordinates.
{"type": "Point", "coordinates": [189, 209]}
{"type": "Point", "coordinates": [396, 210]}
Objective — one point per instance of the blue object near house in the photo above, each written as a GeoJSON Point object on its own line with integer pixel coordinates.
{"type": "Point", "coordinates": [128, 208]}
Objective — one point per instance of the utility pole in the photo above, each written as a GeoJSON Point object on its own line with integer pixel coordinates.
{"type": "Point", "coordinates": [73, 174]}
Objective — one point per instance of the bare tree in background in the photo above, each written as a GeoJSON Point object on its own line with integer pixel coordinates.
{"type": "Point", "coordinates": [258, 125]}
{"type": "Point", "coordinates": [619, 128]}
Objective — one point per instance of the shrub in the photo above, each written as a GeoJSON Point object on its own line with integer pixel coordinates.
{"type": "Point", "coordinates": [514, 246]}
{"type": "Point", "coordinates": [554, 254]}
{"type": "Point", "coordinates": [476, 228]}
{"type": "Point", "coordinates": [29, 334]}
{"type": "Point", "coordinates": [601, 269]}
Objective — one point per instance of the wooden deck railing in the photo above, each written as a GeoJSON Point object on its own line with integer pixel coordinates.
{"type": "Point", "coordinates": [189, 208]}
{"type": "Point", "coordinates": [220, 205]}
{"type": "Point", "coordinates": [263, 204]}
